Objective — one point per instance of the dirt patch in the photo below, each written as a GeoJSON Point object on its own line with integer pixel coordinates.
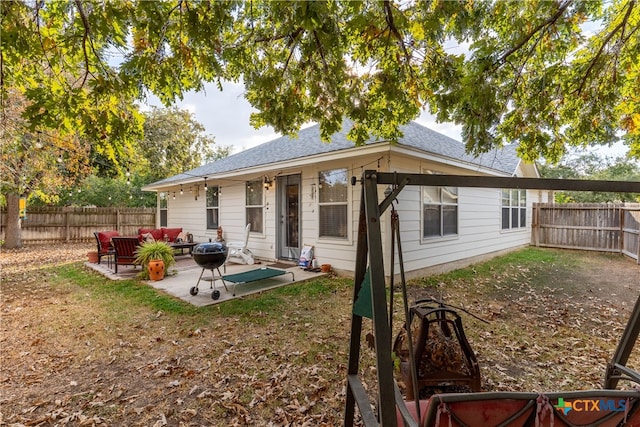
{"type": "Point", "coordinates": [70, 358]}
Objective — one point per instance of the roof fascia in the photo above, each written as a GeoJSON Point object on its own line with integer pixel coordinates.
{"type": "Point", "coordinates": [414, 152]}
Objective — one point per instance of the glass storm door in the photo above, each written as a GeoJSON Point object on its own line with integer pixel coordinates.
{"type": "Point", "coordinates": [288, 216]}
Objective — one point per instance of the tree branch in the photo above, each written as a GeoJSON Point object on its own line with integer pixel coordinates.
{"type": "Point", "coordinates": [37, 22]}
{"type": "Point", "coordinates": [85, 37]}
{"type": "Point", "coordinates": [164, 28]}
{"type": "Point", "coordinates": [605, 42]}
{"type": "Point", "coordinates": [388, 11]}
{"type": "Point", "coordinates": [324, 62]}
{"type": "Point", "coordinates": [552, 19]}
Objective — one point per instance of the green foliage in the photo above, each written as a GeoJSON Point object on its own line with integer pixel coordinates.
{"type": "Point", "coordinates": [150, 251]}
{"type": "Point", "coordinates": [544, 74]}
{"type": "Point", "coordinates": [36, 162]}
{"type": "Point", "coordinates": [592, 166]}
{"type": "Point", "coordinates": [174, 142]}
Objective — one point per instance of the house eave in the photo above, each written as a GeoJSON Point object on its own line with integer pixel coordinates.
{"type": "Point", "coordinates": [297, 163]}
{"type": "Point", "coordinates": [268, 168]}
{"type": "Point", "coordinates": [438, 158]}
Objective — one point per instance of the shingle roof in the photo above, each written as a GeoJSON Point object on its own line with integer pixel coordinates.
{"type": "Point", "coordinates": [308, 143]}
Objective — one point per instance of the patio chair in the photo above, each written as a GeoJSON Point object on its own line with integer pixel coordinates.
{"type": "Point", "coordinates": [238, 251]}
{"type": "Point", "coordinates": [103, 239]}
{"type": "Point", "coordinates": [125, 251]}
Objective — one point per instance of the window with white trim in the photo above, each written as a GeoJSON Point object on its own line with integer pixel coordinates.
{"type": "Point", "coordinates": [514, 208]}
{"type": "Point", "coordinates": [163, 208]}
{"type": "Point", "coordinates": [213, 205]}
{"type": "Point", "coordinates": [255, 205]}
{"type": "Point", "coordinates": [439, 211]}
{"type": "Point", "coordinates": [333, 203]}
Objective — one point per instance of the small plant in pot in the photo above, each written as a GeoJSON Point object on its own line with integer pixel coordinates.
{"type": "Point", "coordinates": [156, 258]}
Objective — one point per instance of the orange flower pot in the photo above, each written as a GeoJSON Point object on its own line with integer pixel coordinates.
{"type": "Point", "coordinates": [156, 269]}
{"type": "Point", "coordinates": [93, 257]}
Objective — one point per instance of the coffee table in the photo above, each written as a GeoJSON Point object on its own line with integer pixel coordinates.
{"type": "Point", "coordinates": [182, 246]}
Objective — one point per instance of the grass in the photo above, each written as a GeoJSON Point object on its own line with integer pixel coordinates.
{"type": "Point", "coordinates": [129, 294]}
{"type": "Point", "coordinates": [273, 353]}
{"type": "Point", "coordinates": [539, 264]}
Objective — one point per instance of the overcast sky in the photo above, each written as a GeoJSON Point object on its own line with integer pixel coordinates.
{"type": "Point", "coordinates": [225, 115]}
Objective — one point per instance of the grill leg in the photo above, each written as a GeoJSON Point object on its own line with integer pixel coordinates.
{"type": "Point", "coordinates": [201, 273]}
{"type": "Point", "coordinates": [220, 277]}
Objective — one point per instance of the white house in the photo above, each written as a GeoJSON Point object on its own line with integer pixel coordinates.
{"type": "Point", "coordinates": [297, 191]}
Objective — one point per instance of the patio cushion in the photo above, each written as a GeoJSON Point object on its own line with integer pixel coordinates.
{"type": "Point", "coordinates": [155, 232]}
{"type": "Point", "coordinates": [172, 233]}
{"type": "Point", "coordinates": [104, 237]}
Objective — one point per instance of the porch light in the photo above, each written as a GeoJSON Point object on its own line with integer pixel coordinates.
{"type": "Point", "coordinates": [174, 195]}
{"type": "Point", "coordinates": [267, 183]}
{"type": "Point", "coordinates": [181, 192]}
{"type": "Point", "coordinates": [205, 183]}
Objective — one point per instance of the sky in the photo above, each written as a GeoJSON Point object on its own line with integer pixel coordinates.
{"type": "Point", "coordinates": [225, 116]}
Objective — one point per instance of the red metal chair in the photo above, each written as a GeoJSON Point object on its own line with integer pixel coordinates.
{"type": "Point", "coordinates": [125, 250]}
{"type": "Point", "coordinates": [103, 238]}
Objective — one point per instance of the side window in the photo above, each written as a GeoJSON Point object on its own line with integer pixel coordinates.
{"type": "Point", "coordinates": [255, 205]}
{"type": "Point", "coordinates": [163, 208]}
{"type": "Point", "coordinates": [439, 211]}
{"type": "Point", "coordinates": [514, 208]}
{"type": "Point", "coordinates": [213, 195]}
{"type": "Point", "coordinates": [333, 203]}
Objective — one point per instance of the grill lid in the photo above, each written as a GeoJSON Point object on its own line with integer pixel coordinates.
{"type": "Point", "coordinates": [210, 255]}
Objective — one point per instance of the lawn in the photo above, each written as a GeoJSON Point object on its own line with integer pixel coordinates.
{"type": "Point", "coordinates": [79, 349]}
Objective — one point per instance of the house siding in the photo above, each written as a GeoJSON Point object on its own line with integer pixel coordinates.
{"type": "Point", "coordinates": [479, 225]}
{"type": "Point", "coordinates": [479, 211]}
{"type": "Point", "coordinates": [479, 219]}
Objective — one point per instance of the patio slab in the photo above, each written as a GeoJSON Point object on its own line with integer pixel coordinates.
{"type": "Point", "coordinates": [185, 273]}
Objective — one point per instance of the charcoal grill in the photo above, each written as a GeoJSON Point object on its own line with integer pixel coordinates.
{"type": "Point", "coordinates": [210, 256]}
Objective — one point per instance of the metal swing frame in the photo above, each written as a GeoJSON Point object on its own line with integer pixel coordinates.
{"type": "Point", "coordinates": [369, 256]}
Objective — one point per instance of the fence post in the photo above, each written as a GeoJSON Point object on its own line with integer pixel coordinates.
{"type": "Point", "coordinates": [67, 225]}
{"type": "Point", "coordinates": [535, 226]}
{"type": "Point", "coordinates": [622, 215]}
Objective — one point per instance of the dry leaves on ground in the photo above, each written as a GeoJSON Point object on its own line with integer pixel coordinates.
{"type": "Point", "coordinates": [71, 359]}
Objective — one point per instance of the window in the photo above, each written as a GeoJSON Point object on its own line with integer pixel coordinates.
{"type": "Point", "coordinates": [213, 194]}
{"type": "Point", "coordinates": [439, 211]}
{"type": "Point", "coordinates": [514, 209]}
{"type": "Point", "coordinates": [332, 203]}
{"type": "Point", "coordinates": [163, 208]}
{"type": "Point", "coordinates": [254, 205]}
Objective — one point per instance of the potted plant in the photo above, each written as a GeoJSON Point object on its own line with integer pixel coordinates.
{"type": "Point", "coordinates": [156, 258]}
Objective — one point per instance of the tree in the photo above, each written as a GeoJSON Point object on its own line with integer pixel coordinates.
{"type": "Point", "coordinates": [529, 72]}
{"type": "Point", "coordinates": [526, 72]}
{"type": "Point", "coordinates": [593, 166]}
{"type": "Point", "coordinates": [174, 141]}
{"type": "Point", "coordinates": [33, 163]}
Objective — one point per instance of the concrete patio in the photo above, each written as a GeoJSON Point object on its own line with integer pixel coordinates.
{"type": "Point", "coordinates": [184, 274]}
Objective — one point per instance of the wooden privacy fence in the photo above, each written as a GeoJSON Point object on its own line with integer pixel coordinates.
{"type": "Point", "coordinates": [68, 224]}
{"type": "Point", "coordinates": [588, 226]}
